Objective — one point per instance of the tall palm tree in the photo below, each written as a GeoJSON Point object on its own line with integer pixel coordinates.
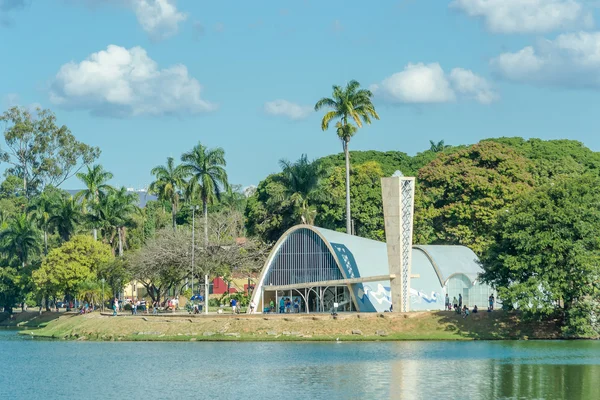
{"type": "Point", "coordinates": [113, 213]}
{"type": "Point", "coordinates": [124, 206]}
{"type": "Point", "coordinates": [168, 184]}
{"type": "Point", "coordinates": [42, 207]}
{"type": "Point", "coordinates": [208, 178]}
{"type": "Point", "coordinates": [300, 183]}
{"type": "Point", "coordinates": [95, 182]}
{"type": "Point", "coordinates": [21, 239]}
{"type": "Point", "coordinates": [347, 104]}
{"type": "Point", "coordinates": [66, 217]}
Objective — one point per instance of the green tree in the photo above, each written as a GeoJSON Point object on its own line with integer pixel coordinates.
{"type": "Point", "coordinates": [460, 194]}
{"type": "Point", "coordinates": [71, 264]}
{"type": "Point", "coordinates": [367, 208]}
{"type": "Point", "coordinates": [169, 180]}
{"type": "Point", "coordinates": [545, 255]}
{"type": "Point", "coordinates": [10, 288]}
{"type": "Point", "coordinates": [113, 213]}
{"type": "Point", "coordinates": [347, 104]}
{"type": "Point", "coordinates": [39, 151]}
{"type": "Point", "coordinates": [66, 217]}
{"type": "Point", "coordinates": [437, 147]}
{"type": "Point", "coordinates": [298, 184]}
{"type": "Point", "coordinates": [95, 181]}
{"type": "Point", "coordinates": [20, 240]}
{"type": "Point", "coordinates": [41, 208]}
{"type": "Point", "coordinates": [208, 178]}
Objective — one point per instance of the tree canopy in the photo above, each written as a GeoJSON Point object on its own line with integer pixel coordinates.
{"type": "Point", "coordinates": [545, 253]}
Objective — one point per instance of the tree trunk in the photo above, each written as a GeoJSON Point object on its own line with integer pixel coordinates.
{"type": "Point", "coordinates": [205, 212]}
{"type": "Point", "coordinates": [45, 242]}
{"type": "Point", "coordinates": [173, 213]}
{"type": "Point", "coordinates": [120, 242]}
{"type": "Point", "coordinates": [348, 216]}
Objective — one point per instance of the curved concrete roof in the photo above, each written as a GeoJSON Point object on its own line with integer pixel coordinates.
{"type": "Point", "coordinates": [449, 260]}
{"type": "Point", "coordinates": [359, 257]}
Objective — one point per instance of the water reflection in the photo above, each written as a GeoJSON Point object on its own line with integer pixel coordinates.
{"type": "Point", "coordinates": [406, 370]}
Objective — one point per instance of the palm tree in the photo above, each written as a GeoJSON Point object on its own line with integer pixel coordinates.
{"type": "Point", "coordinates": [168, 183]}
{"type": "Point", "coordinates": [66, 217]}
{"type": "Point", "coordinates": [42, 208]}
{"type": "Point", "coordinates": [113, 213]}
{"type": "Point", "coordinates": [437, 147]}
{"type": "Point", "coordinates": [300, 183]}
{"type": "Point", "coordinates": [124, 205]}
{"type": "Point", "coordinates": [21, 239]}
{"type": "Point", "coordinates": [208, 178]}
{"type": "Point", "coordinates": [347, 104]}
{"type": "Point", "coordinates": [95, 182]}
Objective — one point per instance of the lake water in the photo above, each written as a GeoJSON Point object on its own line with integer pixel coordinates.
{"type": "Point", "coordinates": [33, 369]}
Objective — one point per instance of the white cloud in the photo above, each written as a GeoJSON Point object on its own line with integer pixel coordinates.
{"type": "Point", "coordinates": [159, 18]}
{"type": "Point", "coordinates": [417, 83]}
{"type": "Point", "coordinates": [126, 82]}
{"type": "Point", "coordinates": [527, 16]}
{"type": "Point", "coordinates": [472, 85]}
{"type": "Point", "coordinates": [428, 83]}
{"type": "Point", "coordinates": [571, 60]}
{"type": "Point", "coordinates": [287, 109]}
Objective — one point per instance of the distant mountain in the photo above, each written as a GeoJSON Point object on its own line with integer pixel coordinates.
{"type": "Point", "coordinates": [143, 196]}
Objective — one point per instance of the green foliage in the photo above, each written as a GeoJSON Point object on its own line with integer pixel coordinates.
{"type": "Point", "coordinates": [73, 263]}
{"type": "Point", "coordinates": [10, 288]}
{"type": "Point", "coordinates": [20, 240]}
{"type": "Point", "coordinates": [39, 151]}
{"type": "Point", "coordinates": [168, 184]}
{"type": "Point", "coordinates": [545, 253]}
{"type": "Point", "coordinates": [365, 189]}
{"type": "Point", "coordinates": [461, 194]}
{"type": "Point", "coordinates": [553, 158]}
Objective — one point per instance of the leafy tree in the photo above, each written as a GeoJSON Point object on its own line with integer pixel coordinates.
{"type": "Point", "coordinates": [367, 208]}
{"type": "Point", "coordinates": [554, 158]}
{"type": "Point", "coordinates": [10, 288]}
{"type": "Point", "coordinates": [39, 151]}
{"type": "Point", "coordinates": [95, 181]}
{"type": "Point", "coordinates": [460, 194]}
{"type": "Point", "coordinates": [545, 254]}
{"type": "Point", "coordinates": [66, 217]}
{"type": "Point", "coordinates": [20, 240]}
{"type": "Point", "coordinates": [170, 179]}
{"type": "Point", "coordinates": [347, 104]}
{"type": "Point", "coordinates": [298, 184]}
{"type": "Point", "coordinates": [71, 264]}
{"type": "Point", "coordinates": [208, 178]}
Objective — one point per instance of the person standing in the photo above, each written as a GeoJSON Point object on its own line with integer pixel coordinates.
{"type": "Point", "coordinates": [459, 300]}
{"type": "Point", "coordinates": [233, 305]}
{"type": "Point", "coordinates": [455, 303]}
{"type": "Point", "coordinates": [252, 307]}
{"type": "Point", "coordinates": [447, 303]}
{"type": "Point", "coordinates": [492, 302]}
{"type": "Point", "coordinates": [281, 305]}
{"type": "Point", "coordinates": [115, 307]}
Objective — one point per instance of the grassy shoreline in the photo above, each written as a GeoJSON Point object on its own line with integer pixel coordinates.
{"type": "Point", "coordinates": [296, 327]}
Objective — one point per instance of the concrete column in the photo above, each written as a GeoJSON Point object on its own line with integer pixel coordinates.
{"type": "Point", "coordinates": [398, 210]}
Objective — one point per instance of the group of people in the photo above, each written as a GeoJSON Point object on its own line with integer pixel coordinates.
{"type": "Point", "coordinates": [459, 308]}
{"type": "Point", "coordinates": [286, 305]}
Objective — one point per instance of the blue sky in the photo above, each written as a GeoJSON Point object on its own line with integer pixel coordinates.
{"type": "Point", "coordinates": [148, 79]}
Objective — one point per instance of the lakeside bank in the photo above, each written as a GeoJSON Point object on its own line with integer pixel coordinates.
{"type": "Point", "coordinates": [292, 327]}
